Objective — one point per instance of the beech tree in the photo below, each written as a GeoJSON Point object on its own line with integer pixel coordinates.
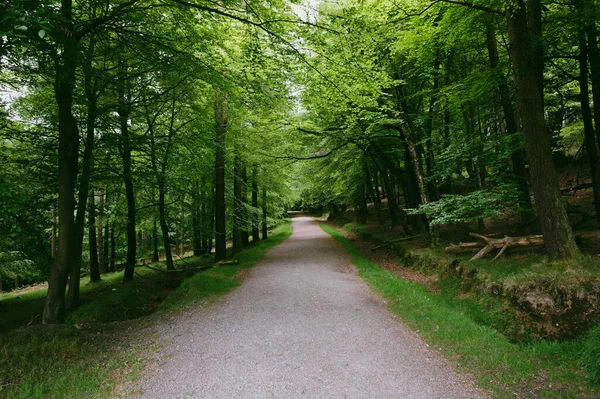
{"type": "Point", "coordinates": [414, 66]}
{"type": "Point", "coordinates": [163, 127]}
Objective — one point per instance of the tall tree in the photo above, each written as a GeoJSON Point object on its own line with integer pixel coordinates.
{"type": "Point", "coordinates": [237, 204]}
{"type": "Point", "coordinates": [255, 210]}
{"type": "Point", "coordinates": [93, 240]}
{"type": "Point", "coordinates": [557, 232]}
{"type": "Point", "coordinates": [221, 130]}
{"type": "Point", "coordinates": [66, 63]}
{"type": "Point", "coordinates": [125, 147]}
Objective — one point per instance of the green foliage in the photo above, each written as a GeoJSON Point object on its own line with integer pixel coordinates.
{"type": "Point", "coordinates": [452, 209]}
{"type": "Point", "coordinates": [169, 60]}
{"type": "Point", "coordinates": [14, 264]}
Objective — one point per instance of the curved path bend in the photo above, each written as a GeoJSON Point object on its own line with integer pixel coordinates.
{"type": "Point", "coordinates": [301, 325]}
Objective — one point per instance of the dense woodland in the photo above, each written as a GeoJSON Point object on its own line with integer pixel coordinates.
{"type": "Point", "coordinates": [141, 128]}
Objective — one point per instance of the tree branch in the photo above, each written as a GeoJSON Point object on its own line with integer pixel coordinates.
{"type": "Point", "coordinates": [474, 6]}
{"type": "Point", "coordinates": [457, 2]}
{"type": "Point", "coordinates": [307, 158]}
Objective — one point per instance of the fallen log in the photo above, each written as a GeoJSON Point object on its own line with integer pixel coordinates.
{"type": "Point", "coordinates": [494, 243]}
{"type": "Point", "coordinates": [398, 240]}
{"type": "Point", "coordinates": [226, 262]}
{"type": "Point", "coordinates": [578, 187]}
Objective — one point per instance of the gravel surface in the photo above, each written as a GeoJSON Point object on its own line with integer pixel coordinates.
{"type": "Point", "coordinates": [301, 325]}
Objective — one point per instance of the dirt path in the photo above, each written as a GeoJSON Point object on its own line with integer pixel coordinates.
{"type": "Point", "coordinates": [302, 325]}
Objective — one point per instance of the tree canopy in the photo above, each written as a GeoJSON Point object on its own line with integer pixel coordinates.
{"type": "Point", "coordinates": [153, 127]}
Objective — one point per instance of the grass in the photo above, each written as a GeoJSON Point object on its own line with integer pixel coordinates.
{"type": "Point", "coordinates": [524, 268]}
{"type": "Point", "coordinates": [541, 370]}
{"type": "Point", "coordinates": [220, 280]}
{"type": "Point", "coordinates": [108, 300]}
{"type": "Point", "coordinates": [591, 355]}
{"type": "Point", "coordinates": [104, 343]}
{"type": "Point", "coordinates": [65, 362]}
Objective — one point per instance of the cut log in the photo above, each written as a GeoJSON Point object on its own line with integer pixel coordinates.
{"type": "Point", "coordinates": [491, 244]}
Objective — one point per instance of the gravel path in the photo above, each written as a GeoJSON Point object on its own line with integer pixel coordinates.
{"type": "Point", "coordinates": [301, 325]}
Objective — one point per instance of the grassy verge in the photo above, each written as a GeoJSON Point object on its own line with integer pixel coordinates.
{"type": "Point", "coordinates": [542, 370]}
{"type": "Point", "coordinates": [104, 343]}
{"type": "Point", "coordinates": [215, 282]}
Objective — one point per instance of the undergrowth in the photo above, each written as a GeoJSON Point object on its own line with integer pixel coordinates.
{"type": "Point", "coordinates": [542, 370]}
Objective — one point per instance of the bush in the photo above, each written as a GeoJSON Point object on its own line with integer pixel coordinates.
{"type": "Point", "coordinates": [590, 355]}
{"type": "Point", "coordinates": [453, 209]}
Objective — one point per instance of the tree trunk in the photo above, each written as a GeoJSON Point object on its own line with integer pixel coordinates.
{"type": "Point", "coordinates": [377, 188]}
{"type": "Point", "coordinates": [558, 236]}
{"type": "Point", "coordinates": [196, 229]}
{"type": "Point", "coordinates": [586, 113]}
{"type": "Point", "coordinates": [53, 234]}
{"type": "Point", "coordinates": [371, 190]}
{"type": "Point", "coordinates": [181, 243]}
{"type": "Point", "coordinates": [446, 186]}
{"type": "Point", "coordinates": [237, 205]}
{"type": "Point", "coordinates": [534, 22]}
{"type": "Point", "coordinates": [211, 221]}
{"type": "Point", "coordinates": [154, 241]}
{"type": "Point", "coordinates": [54, 308]}
{"type": "Point", "coordinates": [106, 233]}
{"type": "Point", "coordinates": [413, 190]}
{"type": "Point", "coordinates": [101, 263]}
{"type": "Point", "coordinates": [243, 211]}
{"type": "Point", "coordinates": [75, 272]}
{"type": "Point", "coordinates": [255, 230]}
{"type": "Point", "coordinates": [393, 206]}
{"type": "Point", "coordinates": [429, 152]}
{"type": "Point", "coordinates": [589, 17]}
{"type": "Point", "coordinates": [112, 250]}
{"type": "Point", "coordinates": [362, 209]}
{"type": "Point", "coordinates": [126, 149]}
{"type": "Point", "coordinates": [204, 224]}
{"type": "Point", "coordinates": [94, 267]}
{"type": "Point", "coordinates": [518, 163]}
{"type": "Point", "coordinates": [92, 113]}
{"type": "Point", "coordinates": [221, 130]}
{"type": "Point", "coordinates": [264, 213]}
{"type": "Point", "coordinates": [164, 227]}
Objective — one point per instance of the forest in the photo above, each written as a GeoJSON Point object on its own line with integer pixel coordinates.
{"type": "Point", "coordinates": [146, 132]}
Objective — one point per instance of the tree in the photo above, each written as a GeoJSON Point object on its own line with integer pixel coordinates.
{"type": "Point", "coordinates": [558, 235]}
{"type": "Point", "coordinates": [221, 130]}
